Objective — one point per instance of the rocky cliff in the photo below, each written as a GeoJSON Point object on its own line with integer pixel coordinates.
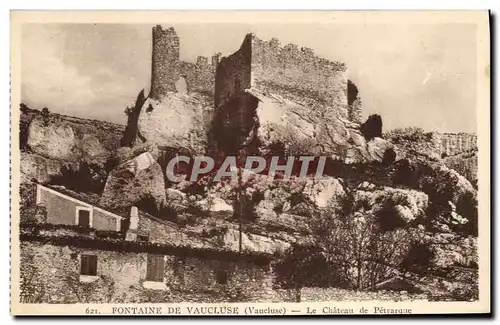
{"type": "Point", "coordinates": [458, 151]}
{"type": "Point", "coordinates": [177, 120]}
{"type": "Point", "coordinates": [52, 141]}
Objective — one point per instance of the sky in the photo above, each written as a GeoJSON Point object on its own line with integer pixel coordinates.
{"type": "Point", "coordinates": [420, 75]}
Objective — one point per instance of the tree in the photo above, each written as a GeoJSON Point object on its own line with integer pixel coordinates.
{"type": "Point", "coordinates": [132, 129]}
{"type": "Point", "coordinates": [372, 127]}
{"type": "Point", "coordinates": [102, 290]}
{"type": "Point", "coordinates": [45, 116]}
{"type": "Point", "coordinates": [300, 266]}
{"type": "Point", "coordinates": [358, 250]}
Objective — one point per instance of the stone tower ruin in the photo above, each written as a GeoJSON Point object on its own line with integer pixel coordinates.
{"type": "Point", "coordinates": [165, 61]}
{"type": "Point", "coordinates": [168, 71]}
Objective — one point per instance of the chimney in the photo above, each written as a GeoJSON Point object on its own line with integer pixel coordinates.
{"type": "Point", "coordinates": [134, 225]}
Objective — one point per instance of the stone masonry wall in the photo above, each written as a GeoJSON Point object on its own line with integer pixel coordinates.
{"type": "Point", "coordinates": [167, 69]}
{"type": "Point", "coordinates": [50, 274]}
{"type": "Point", "coordinates": [165, 61]}
{"type": "Point", "coordinates": [290, 70]}
{"type": "Point", "coordinates": [233, 74]}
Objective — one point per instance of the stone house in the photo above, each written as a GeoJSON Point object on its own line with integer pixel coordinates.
{"type": "Point", "coordinates": [100, 256]}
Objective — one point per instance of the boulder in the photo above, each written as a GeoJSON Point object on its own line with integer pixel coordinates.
{"type": "Point", "coordinates": [409, 203]}
{"type": "Point", "coordinates": [51, 139]}
{"type": "Point", "coordinates": [177, 121]}
{"type": "Point", "coordinates": [129, 182]}
{"type": "Point", "coordinates": [453, 250]}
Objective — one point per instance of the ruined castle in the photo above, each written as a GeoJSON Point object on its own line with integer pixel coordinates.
{"type": "Point", "coordinates": [257, 64]}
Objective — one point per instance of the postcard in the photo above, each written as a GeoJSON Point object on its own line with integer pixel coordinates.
{"type": "Point", "coordinates": [250, 163]}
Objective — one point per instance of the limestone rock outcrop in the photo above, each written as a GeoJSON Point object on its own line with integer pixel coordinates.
{"type": "Point", "coordinates": [53, 140]}
{"type": "Point", "coordinates": [465, 164]}
{"type": "Point", "coordinates": [178, 120]}
{"type": "Point", "coordinates": [71, 139]}
{"type": "Point", "coordinates": [305, 129]}
{"type": "Point", "coordinates": [130, 181]}
{"type": "Point", "coordinates": [41, 168]}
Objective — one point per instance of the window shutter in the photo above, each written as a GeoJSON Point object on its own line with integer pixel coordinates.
{"type": "Point", "coordinates": [84, 267]}
{"type": "Point", "coordinates": [88, 265]}
{"type": "Point", "coordinates": [150, 267]}
{"type": "Point", "coordinates": [93, 264]}
{"type": "Point", "coordinates": [155, 268]}
{"type": "Point", "coordinates": [159, 268]}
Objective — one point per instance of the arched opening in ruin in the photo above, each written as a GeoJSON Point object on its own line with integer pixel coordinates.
{"type": "Point", "coordinates": [181, 85]}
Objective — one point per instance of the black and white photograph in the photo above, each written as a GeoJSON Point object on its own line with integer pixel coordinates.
{"type": "Point", "coordinates": [250, 166]}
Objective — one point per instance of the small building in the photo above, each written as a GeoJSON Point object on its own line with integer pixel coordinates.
{"type": "Point", "coordinates": [100, 256]}
{"type": "Point", "coordinates": [64, 209]}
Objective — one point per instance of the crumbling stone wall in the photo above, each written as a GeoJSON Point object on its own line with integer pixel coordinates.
{"type": "Point", "coordinates": [285, 70]}
{"type": "Point", "coordinates": [290, 70]}
{"type": "Point", "coordinates": [233, 74]}
{"type": "Point", "coordinates": [167, 68]}
{"type": "Point", "coordinates": [165, 61]}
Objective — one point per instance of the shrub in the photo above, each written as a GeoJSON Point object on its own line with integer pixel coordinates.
{"type": "Point", "coordinates": [467, 208]}
{"type": "Point", "coordinates": [24, 109]}
{"type": "Point", "coordinates": [388, 217]}
{"type": "Point", "coordinates": [389, 156]}
{"type": "Point", "coordinates": [418, 259]}
{"type": "Point", "coordinates": [149, 204]}
{"type": "Point", "coordinates": [88, 178]}
{"type": "Point", "coordinates": [372, 127]}
{"type": "Point", "coordinates": [45, 116]}
{"type": "Point", "coordinates": [45, 112]}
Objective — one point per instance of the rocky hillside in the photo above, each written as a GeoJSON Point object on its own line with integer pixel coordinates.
{"type": "Point", "coordinates": [51, 142]}
{"type": "Point", "coordinates": [457, 151]}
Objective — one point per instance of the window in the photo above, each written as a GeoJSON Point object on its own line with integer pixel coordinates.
{"type": "Point", "coordinates": [83, 217]}
{"type": "Point", "coordinates": [221, 277]}
{"type": "Point", "coordinates": [88, 265]}
{"type": "Point", "coordinates": [143, 238]}
{"type": "Point", "coordinates": [155, 268]}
